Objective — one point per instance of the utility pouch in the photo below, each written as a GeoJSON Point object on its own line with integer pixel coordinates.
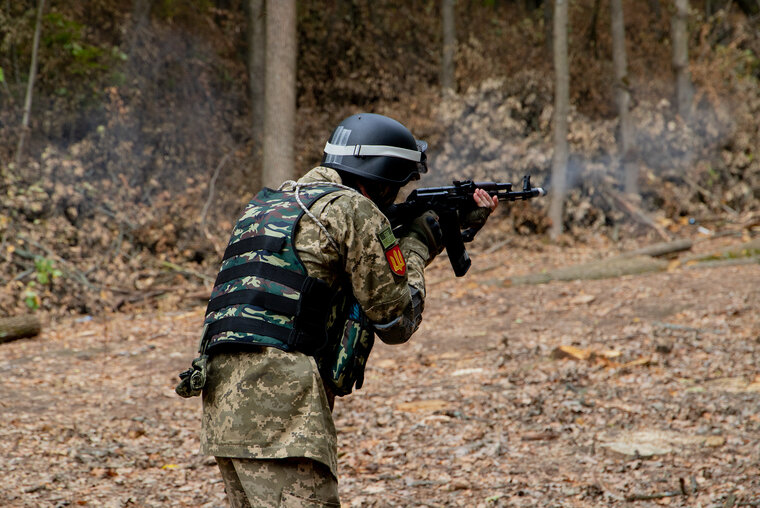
{"type": "Point", "coordinates": [342, 362]}
{"type": "Point", "coordinates": [193, 379]}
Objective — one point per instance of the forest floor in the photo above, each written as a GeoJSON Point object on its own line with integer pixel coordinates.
{"type": "Point", "coordinates": [632, 391]}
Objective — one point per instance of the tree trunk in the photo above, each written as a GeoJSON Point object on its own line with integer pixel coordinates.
{"type": "Point", "coordinates": [684, 90]}
{"type": "Point", "coordinates": [593, 38]}
{"type": "Point", "coordinates": [548, 12]}
{"type": "Point", "coordinates": [256, 36]}
{"type": "Point", "coordinates": [449, 45]}
{"type": "Point", "coordinates": [654, 6]}
{"type": "Point", "coordinates": [280, 92]}
{"type": "Point", "coordinates": [18, 327]}
{"type": "Point", "coordinates": [622, 97]}
{"type": "Point", "coordinates": [30, 84]}
{"type": "Point", "coordinates": [708, 8]}
{"type": "Point", "coordinates": [561, 105]}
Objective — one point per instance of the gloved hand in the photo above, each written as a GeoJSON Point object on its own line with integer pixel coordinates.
{"type": "Point", "coordinates": [477, 217]}
{"type": "Point", "coordinates": [427, 229]}
{"type": "Point", "coordinates": [486, 204]}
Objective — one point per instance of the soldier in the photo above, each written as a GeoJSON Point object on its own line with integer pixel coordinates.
{"type": "Point", "coordinates": [312, 272]}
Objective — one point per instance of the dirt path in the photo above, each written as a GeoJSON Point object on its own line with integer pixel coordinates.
{"type": "Point", "coordinates": [658, 402]}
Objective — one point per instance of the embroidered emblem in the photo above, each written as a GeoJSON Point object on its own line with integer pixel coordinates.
{"type": "Point", "coordinates": [396, 260]}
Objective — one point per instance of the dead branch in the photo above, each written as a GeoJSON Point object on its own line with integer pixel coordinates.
{"type": "Point", "coordinates": [637, 214]}
{"type": "Point", "coordinates": [187, 271]}
{"type": "Point", "coordinates": [30, 84]}
{"type": "Point", "coordinates": [744, 250]}
{"type": "Point", "coordinates": [649, 497]}
{"type": "Point", "coordinates": [67, 267]}
{"type": "Point", "coordinates": [671, 326]}
{"type": "Point", "coordinates": [130, 226]}
{"type": "Point", "coordinates": [603, 269]}
{"type": "Point", "coordinates": [684, 491]}
{"type": "Point", "coordinates": [719, 263]}
{"type": "Point", "coordinates": [663, 248]}
{"type": "Point", "coordinates": [714, 201]}
{"type": "Point", "coordinates": [138, 297]}
{"type": "Point", "coordinates": [207, 204]}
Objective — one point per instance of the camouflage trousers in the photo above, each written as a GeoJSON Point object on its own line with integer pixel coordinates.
{"type": "Point", "coordinates": [278, 483]}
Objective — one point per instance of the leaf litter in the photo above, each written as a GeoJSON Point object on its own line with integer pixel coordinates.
{"type": "Point", "coordinates": [654, 399]}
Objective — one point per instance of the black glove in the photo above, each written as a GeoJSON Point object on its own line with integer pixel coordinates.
{"type": "Point", "coordinates": [476, 218]}
{"type": "Point", "coordinates": [427, 229]}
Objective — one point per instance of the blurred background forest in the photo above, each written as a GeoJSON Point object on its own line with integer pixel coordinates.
{"type": "Point", "coordinates": [142, 141]}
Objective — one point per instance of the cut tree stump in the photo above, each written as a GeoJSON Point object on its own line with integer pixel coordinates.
{"type": "Point", "coordinates": [18, 327]}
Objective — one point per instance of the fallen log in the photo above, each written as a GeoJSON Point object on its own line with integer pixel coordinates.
{"type": "Point", "coordinates": [19, 327]}
{"type": "Point", "coordinates": [603, 269]}
{"type": "Point", "coordinates": [744, 250]}
{"type": "Point", "coordinates": [662, 249]}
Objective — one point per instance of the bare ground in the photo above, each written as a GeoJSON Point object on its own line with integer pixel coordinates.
{"type": "Point", "coordinates": [658, 404]}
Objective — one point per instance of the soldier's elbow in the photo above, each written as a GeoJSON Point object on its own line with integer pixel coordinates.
{"type": "Point", "coordinates": [402, 328]}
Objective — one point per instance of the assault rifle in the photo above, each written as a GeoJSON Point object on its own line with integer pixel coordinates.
{"type": "Point", "coordinates": [453, 204]}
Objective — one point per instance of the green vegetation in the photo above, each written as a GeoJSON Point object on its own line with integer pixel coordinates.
{"type": "Point", "coordinates": [46, 270]}
{"type": "Point", "coordinates": [45, 274]}
{"type": "Point", "coordinates": [73, 58]}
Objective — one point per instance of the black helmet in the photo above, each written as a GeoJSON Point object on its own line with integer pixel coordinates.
{"type": "Point", "coordinates": [377, 148]}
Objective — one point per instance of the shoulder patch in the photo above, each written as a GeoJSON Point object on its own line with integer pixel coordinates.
{"type": "Point", "coordinates": [387, 238]}
{"type": "Point", "coordinates": [392, 251]}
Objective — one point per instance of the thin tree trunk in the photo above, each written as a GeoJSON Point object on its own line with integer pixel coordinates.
{"type": "Point", "coordinates": [623, 96]}
{"type": "Point", "coordinates": [654, 6]}
{"type": "Point", "coordinates": [140, 20]}
{"type": "Point", "coordinates": [561, 105]}
{"type": "Point", "coordinates": [280, 92]}
{"type": "Point", "coordinates": [30, 84]}
{"type": "Point", "coordinates": [684, 90]}
{"type": "Point", "coordinates": [256, 66]}
{"type": "Point", "coordinates": [548, 12]}
{"type": "Point", "coordinates": [449, 45]}
{"type": "Point", "coordinates": [593, 39]}
{"type": "Point", "coordinates": [13, 52]}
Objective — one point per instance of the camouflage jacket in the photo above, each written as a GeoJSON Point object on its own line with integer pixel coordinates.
{"type": "Point", "coordinates": [267, 403]}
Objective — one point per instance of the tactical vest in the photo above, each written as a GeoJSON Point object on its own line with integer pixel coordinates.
{"type": "Point", "coordinates": [263, 295]}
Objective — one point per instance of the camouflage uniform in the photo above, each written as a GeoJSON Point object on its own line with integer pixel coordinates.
{"type": "Point", "coordinates": [266, 403]}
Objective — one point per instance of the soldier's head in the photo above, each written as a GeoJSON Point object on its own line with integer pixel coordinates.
{"type": "Point", "coordinates": [376, 155]}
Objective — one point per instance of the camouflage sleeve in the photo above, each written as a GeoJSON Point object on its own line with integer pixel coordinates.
{"type": "Point", "coordinates": [360, 230]}
{"type": "Point", "coordinates": [415, 252]}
